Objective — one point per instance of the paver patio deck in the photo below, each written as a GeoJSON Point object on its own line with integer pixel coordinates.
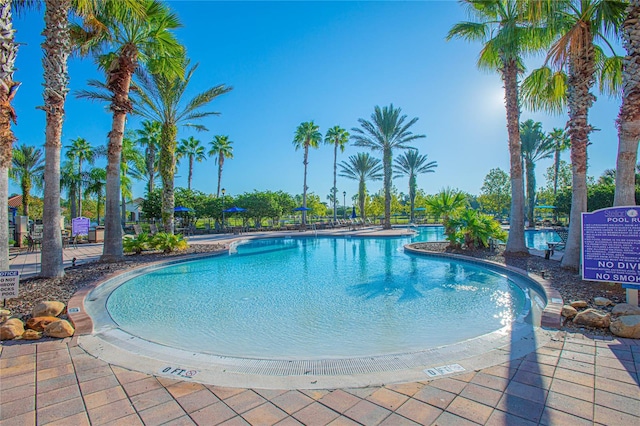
{"type": "Point", "coordinates": [573, 380]}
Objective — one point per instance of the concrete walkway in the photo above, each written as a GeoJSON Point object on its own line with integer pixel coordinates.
{"type": "Point", "coordinates": [572, 380]}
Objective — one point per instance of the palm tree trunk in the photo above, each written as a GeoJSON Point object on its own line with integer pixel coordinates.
{"type": "Point", "coordinates": [556, 168]}
{"type": "Point", "coordinates": [167, 172]}
{"type": "Point", "coordinates": [57, 47]}
{"type": "Point", "coordinates": [629, 118]}
{"type": "Point", "coordinates": [119, 83]}
{"type": "Point", "coordinates": [151, 170]}
{"type": "Point", "coordinates": [515, 242]}
{"type": "Point", "coordinates": [579, 100]}
{"type": "Point", "coordinates": [335, 182]}
{"type": "Point", "coordinates": [80, 186]}
{"type": "Point", "coordinates": [72, 201]}
{"type": "Point", "coordinates": [531, 192]}
{"type": "Point", "coordinates": [304, 189]}
{"type": "Point", "coordinates": [26, 190]}
{"type": "Point", "coordinates": [362, 194]}
{"type": "Point", "coordinates": [8, 52]}
{"type": "Point", "coordinates": [220, 163]}
{"type": "Point", "coordinates": [190, 172]}
{"type": "Point", "coordinates": [412, 197]}
{"type": "Point", "coordinates": [386, 159]}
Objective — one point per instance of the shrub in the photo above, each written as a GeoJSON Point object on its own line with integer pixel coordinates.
{"type": "Point", "coordinates": [168, 242]}
{"type": "Point", "coordinates": [474, 229]}
{"type": "Point", "coordinates": [136, 244]}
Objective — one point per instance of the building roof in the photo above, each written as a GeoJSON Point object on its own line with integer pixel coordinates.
{"type": "Point", "coordinates": [15, 201]}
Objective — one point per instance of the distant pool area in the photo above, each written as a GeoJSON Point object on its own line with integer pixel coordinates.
{"type": "Point", "coordinates": [534, 238]}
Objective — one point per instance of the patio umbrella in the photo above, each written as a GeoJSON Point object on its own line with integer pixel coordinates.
{"type": "Point", "coordinates": [180, 209]}
{"type": "Point", "coordinates": [419, 209]}
{"type": "Point", "coordinates": [234, 209]}
{"type": "Point", "coordinates": [546, 207]}
{"type": "Point", "coordinates": [353, 213]}
{"type": "Point", "coordinates": [301, 209]}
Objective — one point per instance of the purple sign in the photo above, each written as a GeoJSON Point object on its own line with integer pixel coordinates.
{"type": "Point", "coordinates": [611, 245]}
{"type": "Point", "coordinates": [79, 226]}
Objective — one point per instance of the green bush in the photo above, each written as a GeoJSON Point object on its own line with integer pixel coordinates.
{"type": "Point", "coordinates": [474, 229]}
{"type": "Point", "coordinates": [136, 244]}
{"type": "Point", "coordinates": [168, 242]}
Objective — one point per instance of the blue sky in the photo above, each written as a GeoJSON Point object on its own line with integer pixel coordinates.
{"type": "Point", "coordinates": [330, 62]}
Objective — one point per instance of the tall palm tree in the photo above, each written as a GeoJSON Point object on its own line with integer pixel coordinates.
{"type": "Point", "coordinates": [502, 27]}
{"type": "Point", "coordinates": [338, 137]}
{"type": "Point", "coordinates": [162, 100]}
{"type": "Point", "coordinates": [411, 164]}
{"type": "Point", "coordinates": [121, 40]}
{"type": "Point", "coordinates": [8, 89]}
{"type": "Point", "coordinates": [70, 180]}
{"type": "Point", "coordinates": [561, 143]}
{"type": "Point", "coordinates": [96, 182]}
{"type": "Point", "coordinates": [27, 171]}
{"type": "Point", "coordinates": [386, 132]}
{"type": "Point", "coordinates": [80, 150]}
{"type": "Point", "coordinates": [629, 117]}
{"type": "Point", "coordinates": [362, 167]}
{"type": "Point", "coordinates": [57, 47]}
{"type": "Point", "coordinates": [149, 139]}
{"type": "Point", "coordinates": [535, 146]}
{"type": "Point", "coordinates": [307, 136]}
{"type": "Point", "coordinates": [221, 150]}
{"type": "Point", "coordinates": [191, 149]}
{"type": "Point", "coordinates": [581, 26]}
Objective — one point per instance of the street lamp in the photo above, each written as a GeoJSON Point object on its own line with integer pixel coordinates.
{"type": "Point", "coordinates": [344, 204]}
{"type": "Point", "coordinates": [223, 192]}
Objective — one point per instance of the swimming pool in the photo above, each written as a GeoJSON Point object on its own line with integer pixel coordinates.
{"type": "Point", "coordinates": [534, 238]}
{"type": "Point", "coordinates": [318, 298]}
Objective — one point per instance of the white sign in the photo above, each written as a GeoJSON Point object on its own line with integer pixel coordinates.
{"type": "Point", "coordinates": [445, 369]}
{"type": "Point", "coordinates": [9, 281]}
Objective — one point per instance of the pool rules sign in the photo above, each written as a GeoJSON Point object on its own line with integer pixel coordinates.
{"type": "Point", "coordinates": [611, 248]}
{"type": "Point", "coordinates": [9, 281]}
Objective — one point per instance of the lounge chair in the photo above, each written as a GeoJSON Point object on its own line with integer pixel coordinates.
{"type": "Point", "coordinates": [563, 233]}
{"type": "Point", "coordinates": [153, 229]}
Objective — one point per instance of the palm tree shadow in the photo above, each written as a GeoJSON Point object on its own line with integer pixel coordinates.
{"type": "Point", "coordinates": [384, 286]}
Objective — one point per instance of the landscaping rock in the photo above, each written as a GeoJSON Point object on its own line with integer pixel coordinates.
{"type": "Point", "coordinates": [48, 309]}
{"type": "Point", "coordinates": [4, 315]}
{"type": "Point", "coordinates": [31, 335]}
{"type": "Point", "coordinates": [602, 301]}
{"type": "Point", "coordinates": [39, 323]}
{"type": "Point", "coordinates": [11, 329]}
{"type": "Point", "coordinates": [579, 304]}
{"type": "Point", "coordinates": [622, 309]}
{"type": "Point", "coordinates": [626, 326]}
{"type": "Point", "coordinates": [569, 311]}
{"type": "Point", "coordinates": [592, 318]}
{"type": "Point", "coordinates": [60, 329]}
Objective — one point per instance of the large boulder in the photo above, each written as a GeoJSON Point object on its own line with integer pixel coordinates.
{"type": "Point", "coordinates": [569, 311]}
{"type": "Point", "coordinates": [39, 323]}
{"type": "Point", "coordinates": [625, 309]}
{"type": "Point", "coordinates": [60, 329]}
{"type": "Point", "coordinates": [592, 318]}
{"type": "Point", "coordinates": [11, 329]}
{"type": "Point", "coordinates": [626, 326]}
{"type": "Point", "coordinates": [48, 309]}
{"type": "Point", "coordinates": [579, 304]}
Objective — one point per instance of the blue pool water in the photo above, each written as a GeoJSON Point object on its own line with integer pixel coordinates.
{"type": "Point", "coordinates": [536, 239]}
{"type": "Point", "coordinates": [312, 298]}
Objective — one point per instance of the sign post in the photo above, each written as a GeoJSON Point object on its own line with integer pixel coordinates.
{"type": "Point", "coordinates": [611, 248]}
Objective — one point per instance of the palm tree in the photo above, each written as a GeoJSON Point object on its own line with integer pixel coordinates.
{"type": "Point", "coordinates": [27, 171]}
{"type": "Point", "coordinates": [57, 47]}
{"type": "Point", "coordinates": [191, 149]}
{"type": "Point", "coordinates": [96, 182]}
{"type": "Point", "coordinates": [338, 137]}
{"type": "Point", "coordinates": [411, 164]}
{"type": "Point", "coordinates": [361, 167]}
{"type": "Point", "coordinates": [387, 131]}
{"type": "Point", "coordinates": [149, 138]}
{"type": "Point", "coordinates": [629, 118]}
{"type": "Point", "coordinates": [70, 180]}
{"type": "Point", "coordinates": [221, 149]}
{"type": "Point", "coordinates": [579, 25]}
{"type": "Point", "coordinates": [535, 146]}
{"type": "Point", "coordinates": [307, 135]}
{"type": "Point", "coordinates": [561, 143]}
{"type": "Point", "coordinates": [501, 26]}
{"type": "Point", "coordinates": [161, 99]}
{"type": "Point", "coordinates": [443, 205]}
{"type": "Point", "coordinates": [121, 40]}
{"type": "Point", "coordinates": [80, 150]}
{"type": "Point", "coordinates": [8, 89]}
{"type": "Point", "coordinates": [131, 165]}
